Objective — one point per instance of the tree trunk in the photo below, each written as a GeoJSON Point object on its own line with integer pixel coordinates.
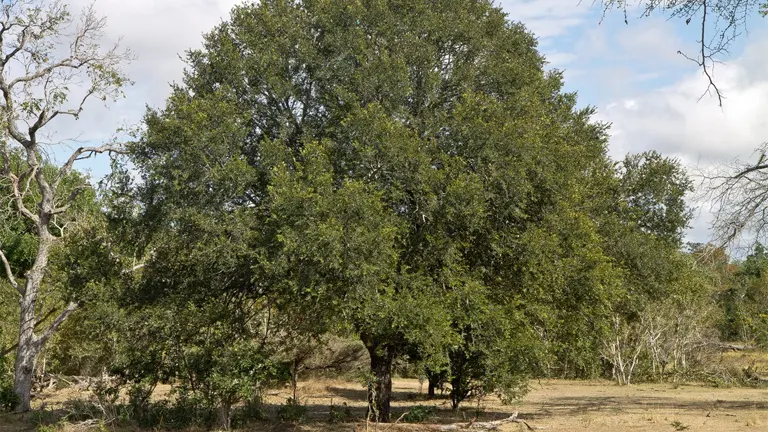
{"type": "Point", "coordinates": [223, 416]}
{"type": "Point", "coordinates": [380, 392]}
{"type": "Point", "coordinates": [434, 379]}
{"type": "Point", "coordinates": [26, 352]}
{"type": "Point", "coordinates": [30, 344]}
{"type": "Point", "coordinates": [459, 378]}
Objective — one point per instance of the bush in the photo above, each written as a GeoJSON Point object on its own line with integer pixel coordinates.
{"type": "Point", "coordinates": [8, 399]}
{"type": "Point", "coordinates": [252, 410]}
{"type": "Point", "coordinates": [418, 414]}
{"type": "Point", "coordinates": [339, 414]}
{"type": "Point", "coordinates": [292, 411]}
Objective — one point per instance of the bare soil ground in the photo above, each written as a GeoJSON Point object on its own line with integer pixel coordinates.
{"type": "Point", "coordinates": [556, 405]}
{"type": "Point", "coordinates": [552, 405]}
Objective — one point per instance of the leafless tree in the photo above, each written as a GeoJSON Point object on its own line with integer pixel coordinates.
{"type": "Point", "coordinates": [737, 194]}
{"type": "Point", "coordinates": [45, 54]}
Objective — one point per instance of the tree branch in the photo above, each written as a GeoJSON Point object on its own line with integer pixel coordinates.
{"type": "Point", "coordinates": [69, 310]}
{"type": "Point", "coordinates": [85, 153]}
{"type": "Point", "coordinates": [9, 274]}
{"type": "Point", "coordinates": [134, 268]}
{"type": "Point", "coordinates": [37, 324]}
{"type": "Point", "coordinates": [750, 170]}
{"type": "Point", "coordinates": [19, 47]}
{"type": "Point", "coordinates": [18, 200]}
{"type": "Point", "coordinates": [68, 202]}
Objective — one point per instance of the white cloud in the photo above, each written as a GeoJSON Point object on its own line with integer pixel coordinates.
{"type": "Point", "coordinates": [547, 18]}
{"type": "Point", "coordinates": [675, 122]}
{"type": "Point", "coordinates": [157, 32]}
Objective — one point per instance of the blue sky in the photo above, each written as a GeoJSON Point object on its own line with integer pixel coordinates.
{"type": "Point", "coordinates": [631, 73]}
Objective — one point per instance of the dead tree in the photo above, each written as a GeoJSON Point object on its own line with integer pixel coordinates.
{"type": "Point", "coordinates": [737, 194]}
{"type": "Point", "coordinates": [45, 53]}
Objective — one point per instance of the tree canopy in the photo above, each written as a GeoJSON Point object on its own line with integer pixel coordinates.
{"type": "Point", "coordinates": [406, 171]}
{"type": "Point", "coordinates": [408, 174]}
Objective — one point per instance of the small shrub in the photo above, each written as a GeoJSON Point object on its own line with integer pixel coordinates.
{"type": "Point", "coordinates": [340, 414]}
{"type": "Point", "coordinates": [418, 414]}
{"type": "Point", "coordinates": [679, 426]}
{"type": "Point", "coordinates": [252, 410]}
{"type": "Point", "coordinates": [44, 418]}
{"type": "Point", "coordinates": [8, 399]}
{"type": "Point", "coordinates": [292, 411]}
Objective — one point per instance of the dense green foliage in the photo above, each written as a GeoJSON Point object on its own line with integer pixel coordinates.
{"type": "Point", "coordinates": [405, 173]}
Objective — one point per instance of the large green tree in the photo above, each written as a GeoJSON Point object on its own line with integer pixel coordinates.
{"type": "Point", "coordinates": [406, 170]}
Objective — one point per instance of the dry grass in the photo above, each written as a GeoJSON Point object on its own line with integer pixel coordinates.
{"type": "Point", "coordinates": [757, 360]}
{"type": "Point", "coordinates": [596, 406]}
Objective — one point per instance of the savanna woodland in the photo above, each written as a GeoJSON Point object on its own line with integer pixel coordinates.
{"type": "Point", "coordinates": [366, 190]}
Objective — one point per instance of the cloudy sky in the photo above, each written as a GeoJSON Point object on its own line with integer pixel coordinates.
{"type": "Point", "coordinates": [631, 73]}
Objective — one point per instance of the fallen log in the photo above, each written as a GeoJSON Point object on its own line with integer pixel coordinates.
{"type": "Point", "coordinates": [488, 426]}
{"type": "Point", "coordinates": [735, 347]}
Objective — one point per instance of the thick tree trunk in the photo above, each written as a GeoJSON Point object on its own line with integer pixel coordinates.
{"type": "Point", "coordinates": [380, 392]}
{"type": "Point", "coordinates": [26, 353]}
{"type": "Point", "coordinates": [30, 344]}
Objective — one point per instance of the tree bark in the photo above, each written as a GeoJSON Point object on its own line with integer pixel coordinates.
{"type": "Point", "coordinates": [459, 378]}
{"type": "Point", "coordinates": [30, 344]}
{"type": "Point", "coordinates": [380, 392]}
{"type": "Point", "coordinates": [223, 416]}
{"type": "Point", "coordinates": [26, 352]}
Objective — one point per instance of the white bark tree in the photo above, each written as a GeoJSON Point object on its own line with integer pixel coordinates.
{"type": "Point", "coordinates": [47, 55]}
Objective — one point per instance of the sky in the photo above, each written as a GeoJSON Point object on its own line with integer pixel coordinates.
{"type": "Point", "coordinates": [630, 72]}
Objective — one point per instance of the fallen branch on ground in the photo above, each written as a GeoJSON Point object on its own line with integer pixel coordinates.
{"type": "Point", "coordinates": [491, 425]}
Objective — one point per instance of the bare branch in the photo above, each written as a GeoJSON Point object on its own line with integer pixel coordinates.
{"type": "Point", "coordinates": [69, 310]}
{"type": "Point", "coordinates": [737, 194]}
{"type": "Point", "coordinates": [705, 56]}
{"type": "Point", "coordinates": [85, 153]}
{"type": "Point", "coordinates": [18, 199]}
{"type": "Point", "coordinates": [721, 22]}
{"type": "Point", "coordinates": [134, 268]}
{"type": "Point", "coordinates": [68, 202]}
{"type": "Point", "coordinates": [37, 324]}
{"type": "Point", "coordinates": [9, 274]}
{"type": "Point", "coordinates": [22, 43]}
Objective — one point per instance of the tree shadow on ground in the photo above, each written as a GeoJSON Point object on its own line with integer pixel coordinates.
{"type": "Point", "coordinates": [578, 405]}
{"type": "Point", "coordinates": [356, 412]}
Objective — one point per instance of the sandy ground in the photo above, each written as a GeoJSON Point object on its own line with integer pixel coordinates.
{"type": "Point", "coordinates": [552, 405]}
{"type": "Point", "coordinates": [555, 405]}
